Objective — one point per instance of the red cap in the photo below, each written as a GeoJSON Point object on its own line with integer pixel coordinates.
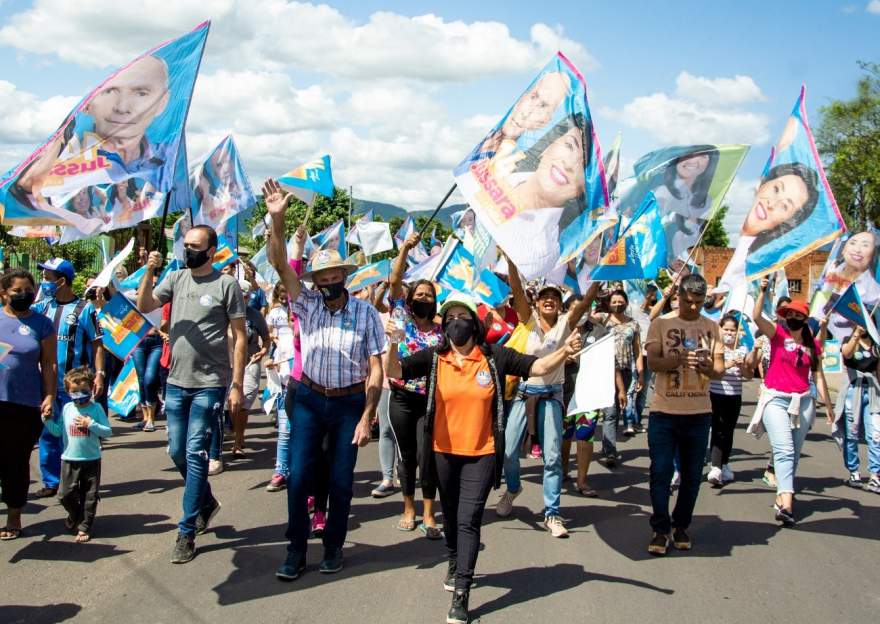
{"type": "Point", "coordinates": [800, 307]}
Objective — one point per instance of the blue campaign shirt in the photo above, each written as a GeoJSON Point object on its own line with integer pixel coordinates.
{"type": "Point", "coordinates": [81, 443]}
{"type": "Point", "coordinates": [76, 325]}
{"type": "Point", "coordinates": [258, 300]}
{"type": "Point", "coordinates": [20, 378]}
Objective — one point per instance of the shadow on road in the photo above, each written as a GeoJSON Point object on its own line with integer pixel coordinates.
{"type": "Point", "coordinates": [40, 614]}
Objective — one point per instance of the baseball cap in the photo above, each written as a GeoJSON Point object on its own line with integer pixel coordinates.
{"type": "Point", "coordinates": [800, 307]}
{"type": "Point", "coordinates": [552, 287]}
{"type": "Point", "coordinates": [59, 265]}
{"type": "Point", "coordinates": [458, 298]}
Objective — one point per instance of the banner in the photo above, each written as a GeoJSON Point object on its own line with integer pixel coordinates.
{"type": "Point", "coordinates": [306, 180]}
{"type": "Point", "coordinates": [538, 175]}
{"type": "Point", "coordinates": [48, 232]}
{"type": "Point", "coordinates": [124, 326]}
{"type": "Point", "coordinates": [369, 275]}
{"type": "Point", "coordinates": [794, 211]}
{"type": "Point", "coordinates": [113, 161]}
{"type": "Point", "coordinates": [594, 386]}
{"type": "Point", "coordinates": [125, 394]}
{"type": "Point", "coordinates": [220, 187]}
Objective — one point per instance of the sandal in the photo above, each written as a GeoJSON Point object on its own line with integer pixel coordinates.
{"type": "Point", "coordinates": [46, 492]}
{"type": "Point", "coordinates": [406, 524]}
{"type": "Point", "coordinates": [11, 533]}
{"type": "Point", "coordinates": [588, 492]}
{"type": "Point", "coordinates": [82, 538]}
{"type": "Point", "coordinates": [431, 532]}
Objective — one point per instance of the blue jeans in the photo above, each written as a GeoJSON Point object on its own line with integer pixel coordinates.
{"type": "Point", "coordinates": [688, 435]}
{"type": "Point", "coordinates": [285, 410]}
{"type": "Point", "coordinates": [315, 416]}
{"type": "Point", "coordinates": [549, 428]}
{"type": "Point", "coordinates": [52, 446]}
{"type": "Point", "coordinates": [146, 363]}
{"type": "Point", "coordinates": [851, 432]}
{"type": "Point", "coordinates": [193, 414]}
{"type": "Point", "coordinates": [786, 442]}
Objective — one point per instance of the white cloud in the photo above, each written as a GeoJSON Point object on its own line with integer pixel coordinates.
{"type": "Point", "coordinates": [873, 7]}
{"type": "Point", "coordinates": [736, 90]}
{"type": "Point", "coordinates": [269, 34]}
{"type": "Point", "coordinates": [24, 118]}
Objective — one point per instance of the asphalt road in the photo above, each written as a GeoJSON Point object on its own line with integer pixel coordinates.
{"type": "Point", "coordinates": [743, 568]}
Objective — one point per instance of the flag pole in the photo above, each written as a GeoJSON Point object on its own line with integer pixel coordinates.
{"type": "Point", "coordinates": [350, 199]}
{"type": "Point", "coordinates": [160, 245]}
{"type": "Point", "coordinates": [437, 209]}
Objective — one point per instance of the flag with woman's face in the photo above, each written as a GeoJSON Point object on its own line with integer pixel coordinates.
{"type": "Point", "coordinates": [794, 211]}
{"type": "Point", "coordinates": [118, 154]}
{"type": "Point", "coordinates": [220, 186]}
{"type": "Point", "coordinates": [538, 176]}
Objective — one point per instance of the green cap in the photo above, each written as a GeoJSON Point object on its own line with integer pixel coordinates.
{"type": "Point", "coordinates": [458, 298]}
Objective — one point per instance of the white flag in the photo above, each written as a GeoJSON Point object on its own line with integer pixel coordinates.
{"type": "Point", "coordinates": [594, 388]}
{"type": "Point", "coordinates": [374, 237]}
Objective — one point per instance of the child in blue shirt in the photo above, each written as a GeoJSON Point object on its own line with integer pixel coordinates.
{"type": "Point", "coordinates": [83, 423]}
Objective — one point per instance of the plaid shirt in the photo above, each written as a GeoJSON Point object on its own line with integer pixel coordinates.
{"type": "Point", "coordinates": [336, 346]}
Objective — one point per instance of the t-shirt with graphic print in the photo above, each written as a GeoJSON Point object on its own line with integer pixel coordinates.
{"type": "Point", "coordinates": [683, 390]}
{"type": "Point", "coordinates": [414, 340]}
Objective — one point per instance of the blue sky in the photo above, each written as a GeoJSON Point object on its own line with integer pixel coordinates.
{"type": "Point", "coordinates": [397, 98]}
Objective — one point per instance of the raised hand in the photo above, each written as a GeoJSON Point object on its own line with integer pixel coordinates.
{"type": "Point", "coordinates": [275, 197]}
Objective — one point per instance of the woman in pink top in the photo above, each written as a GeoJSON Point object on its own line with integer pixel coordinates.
{"type": "Point", "coordinates": [787, 408]}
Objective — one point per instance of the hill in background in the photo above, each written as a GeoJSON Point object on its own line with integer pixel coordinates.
{"type": "Point", "coordinates": [388, 211]}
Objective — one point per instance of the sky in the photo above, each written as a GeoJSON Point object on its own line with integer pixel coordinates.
{"type": "Point", "coordinates": [399, 92]}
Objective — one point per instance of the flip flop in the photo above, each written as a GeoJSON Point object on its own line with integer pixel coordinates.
{"type": "Point", "coordinates": [12, 533]}
{"type": "Point", "coordinates": [82, 538]}
{"type": "Point", "coordinates": [406, 525]}
{"type": "Point", "coordinates": [431, 532]}
{"type": "Point", "coordinates": [588, 492]}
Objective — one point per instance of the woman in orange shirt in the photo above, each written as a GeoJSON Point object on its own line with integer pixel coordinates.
{"type": "Point", "coordinates": [464, 426]}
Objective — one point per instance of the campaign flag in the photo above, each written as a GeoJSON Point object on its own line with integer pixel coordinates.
{"type": "Point", "coordinates": [620, 262]}
{"type": "Point", "coordinates": [373, 237]}
{"type": "Point", "coordinates": [406, 229]}
{"type": "Point", "coordinates": [850, 307]}
{"type": "Point", "coordinates": [368, 275]}
{"type": "Point", "coordinates": [746, 337]}
{"type": "Point", "coordinates": [794, 211]}
{"type": "Point", "coordinates": [48, 232]}
{"type": "Point", "coordinates": [649, 238]}
{"type": "Point", "coordinates": [306, 180]}
{"type": "Point", "coordinates": [352, 237]}
{"type": "Point", "coordinates": [124, 326]}
{"type": "Point", "coordinates": [225, 254]}
{"type": "Point", "coordinates": [538, 176]}
{"type": "Point", "coordinates": [612, 166]}
{"type": "Point", "coordinates": [220, 188]}
{"type": "Point", "coordinates": [457, 272]}
{"type": "Point", "coordinates": [133, 281]}
{"type": "Point", "coordinates": [435, 242]}
{"type": "Point", "coordinates": [594, 386]}
{"type": "Point", "coordinates": [331, 237]}
{"type": "Point", "coordinates": [480, 243]}
{"type": "Point", "coordinates": [119, 152]}
{"type": "Point", "coordinates": [125, 394]}
{"type": "Point", "coordinates": [107, 273]}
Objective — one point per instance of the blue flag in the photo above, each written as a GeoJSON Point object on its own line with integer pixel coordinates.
{"type": "Point", "coordinates": [850, 307]}
{"type": "Point", "coordinates": [368, 275]}
{"type": "Point", "coordinates": [119, 152]}
{"type": "Point", "coordinates": [457, 272]}
{"type": "Point", "coordinates": [306, 180]}
{"type": "Point", "coordinates": [331, 237]}
{"type": "Point", "coordinates": [125, 394]}
{"type": "Point", "coordinates": [220, 188]}
{"type": "Point", "coordinates": [124, 326]}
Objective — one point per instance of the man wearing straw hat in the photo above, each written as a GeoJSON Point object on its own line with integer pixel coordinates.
{"type": "Point", "coordinates": [342, 342]}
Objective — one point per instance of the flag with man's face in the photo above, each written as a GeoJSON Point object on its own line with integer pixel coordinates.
{"type": "Point", "coordinates": [118, 154]}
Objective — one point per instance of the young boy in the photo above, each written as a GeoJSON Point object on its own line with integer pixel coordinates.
{"type": "Point", "coordinates": [83, 423]}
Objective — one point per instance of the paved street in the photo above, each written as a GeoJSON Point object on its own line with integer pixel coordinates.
{"type": "Point", "coordinates": [743, 568]}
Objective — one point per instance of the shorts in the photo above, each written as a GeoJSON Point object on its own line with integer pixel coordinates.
{"type": "Point", "coordinates": [251, 385]}
{"type": "Point", "coordinates": [580, 427]}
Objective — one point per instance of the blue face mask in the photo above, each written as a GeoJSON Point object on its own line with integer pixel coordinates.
{"type": "Point", "coordinates": [81, 398]}
{"type": "Point", "coordinates": [49, 289]}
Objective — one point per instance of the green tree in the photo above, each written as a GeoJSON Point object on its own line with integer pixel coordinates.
{"type": "Point", "coordinates": [848, 139]}
{"type": "Point", "coordinates": [715, 234]}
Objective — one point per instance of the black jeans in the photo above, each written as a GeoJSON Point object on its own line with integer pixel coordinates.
{"type": "Point", "coordinates": [464, 484]}
{"type": "Point", "coordinates": [725, 412]}
{"type": "Point", "coordinates": [21, 426]}
{"type": "Point", "coordinates": [407, 412]}
{"type": "Point", "coordinates": [320, 484]}
{"type": "Point", "coordinates": [80, 481]}
{"type": "Point", "coordinates": [668, 433]}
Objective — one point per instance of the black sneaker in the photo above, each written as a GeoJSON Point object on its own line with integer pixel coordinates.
{"type": "Point", "coordinates": [332, 562]}
{"type": "Point", "coordinates": [855, 480]}
{"type": "Point", "coordinates": [206, 515]}
{"type": "Point", "coordinates": [292, 567]}
{"type": "Point", "coordinates": [659, 544]}
{"type": "Point", "coordinates": [458, 612]}
{"type": "Point", "coordinates": [184, 549]}
{"type": "Point", "coordinates": [784, 516]}
{"type": "Point", "coordinates": [680, 539]}
{"type": "Point", "coordinates": [449, 583]}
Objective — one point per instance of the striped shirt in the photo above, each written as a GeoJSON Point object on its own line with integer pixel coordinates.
{"type": "Point", "coordinates": [731, 383]}
{"type": "Point", "coordinates": [77, 328]}
{"type": "Point", "coordinates": [336, 346]}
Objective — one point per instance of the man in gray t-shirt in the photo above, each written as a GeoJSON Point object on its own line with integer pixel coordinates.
{"type": "Point", "coordinates": [204, 305]}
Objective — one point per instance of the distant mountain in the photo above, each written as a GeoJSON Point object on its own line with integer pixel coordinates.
{"type": "Point", "coordinates": [389, 211]}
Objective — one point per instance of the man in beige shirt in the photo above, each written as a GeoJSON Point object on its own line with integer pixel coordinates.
{"type": "Point", "coordinates": [685, 351]}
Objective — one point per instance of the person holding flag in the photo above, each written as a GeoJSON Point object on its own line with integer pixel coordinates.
{"type": "Point", "coordinates": [786, 408]}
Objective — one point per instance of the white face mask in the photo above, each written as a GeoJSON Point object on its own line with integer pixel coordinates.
{"type": "Point", "coordinates": [729, 340]}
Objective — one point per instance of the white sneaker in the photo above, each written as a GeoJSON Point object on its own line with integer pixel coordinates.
{"type": "Point", "coordinates": [505, 503]}
{"type": "Point", "coordinates": [215, 466]}
{"type": "Point", "coordinates": [714, 477]}
{"type": "Point", "coordinates": [727, 474]}
{"type": "Point", "coordinates": [676, 480]}
{"type": "Point", "coordinates": [555, 526]}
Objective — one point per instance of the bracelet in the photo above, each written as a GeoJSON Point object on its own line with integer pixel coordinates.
{"type": "Point", "coordinates": [100, 373]}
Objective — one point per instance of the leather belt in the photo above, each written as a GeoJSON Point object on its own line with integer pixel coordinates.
{"type": "Point", "coordinates": [333, 392]}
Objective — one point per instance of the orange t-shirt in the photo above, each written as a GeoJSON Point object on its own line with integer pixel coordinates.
{"type": "Point", "coordinates": [463, 413]}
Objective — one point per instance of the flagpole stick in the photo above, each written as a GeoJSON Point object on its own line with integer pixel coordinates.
{"type": "Point", "coordinates": [350, 199]}
{"type": "Point", "coordinates": [160, 244]}
{"type": "Point", "coordinates": [437, 209]}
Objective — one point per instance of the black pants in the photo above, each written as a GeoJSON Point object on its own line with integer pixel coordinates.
{"type": "Point", "coordinates": [464, 484]}
{"type": "Point", "coordinates": [407, 412]}
{"type": "Point", "coordinates": [725, 412]}
{"type": "Point", "coordinates": [21, 427]}
{"type": "Point", "coordinates": [80, 481]}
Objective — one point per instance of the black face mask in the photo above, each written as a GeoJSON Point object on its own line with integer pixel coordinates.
{"type": "Point", "coordinates": [196, 258]}
{"type": "Point", "coordinates": [617, 308]}
{"type": "Point", "coordinates": [332, 291]}
{"type": "Point", "coordinates": [20, 302]}
{"type": "Point", "coordinates": [424, 309]}
{"type": "Point", "coordinates": [459, 331]}
{"type": "Point", "coordinates": [795, 324]}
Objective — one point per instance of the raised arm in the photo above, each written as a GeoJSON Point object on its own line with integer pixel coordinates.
{"type": "Point", "coordinates": [146, 301]}
{"type": "Point", "coordinates": [395, 280]}
{"type": "Point", "coordinates": [276, 204]}
{"type": "Point", "coordinates": [657, 308]}
{"type": "Point", "coordinates": [583, 306]}
{"type": "Point", "coordinates": [520, 302]}
{"type": "Point", "coordinates": [767, 328]}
